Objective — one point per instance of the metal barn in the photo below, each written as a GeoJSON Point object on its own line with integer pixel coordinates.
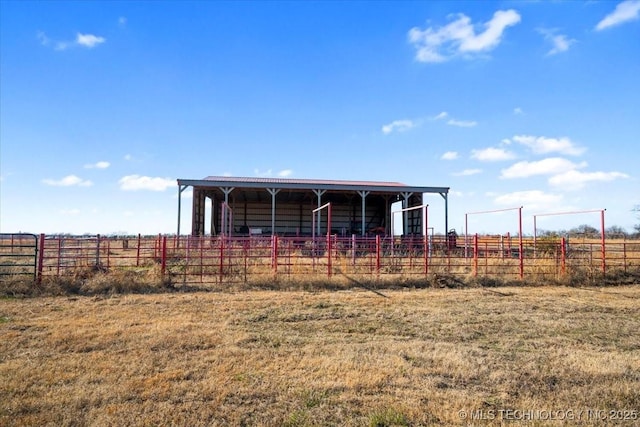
{"type": "Point", "coordinates": [284, 207]}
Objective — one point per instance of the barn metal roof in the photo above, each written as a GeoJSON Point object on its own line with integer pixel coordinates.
{"type": "Point", "coordinates": [309, 184]}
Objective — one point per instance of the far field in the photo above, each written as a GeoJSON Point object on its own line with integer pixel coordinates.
{"type": "Point", "coordinates": [398, 357]}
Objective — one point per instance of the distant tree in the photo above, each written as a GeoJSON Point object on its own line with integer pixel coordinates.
{"type": "Point", "coordinates": [585, 230]}
{"type": "Point", "coordinates": [616, 232]}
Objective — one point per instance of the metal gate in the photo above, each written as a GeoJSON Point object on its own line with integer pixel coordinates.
{"type": "Point", "coordinates": [18, 255]}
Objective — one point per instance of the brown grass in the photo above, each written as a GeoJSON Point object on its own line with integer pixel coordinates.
{"type": "Point", "coordinates": [400, 357]}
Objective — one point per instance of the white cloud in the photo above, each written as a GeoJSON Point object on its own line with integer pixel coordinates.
{"type": "Point", "coordinates": [575, 180]}
{"type": "Point", "coordinates": [550, 166]}
{"type": "Point", "coordinates": [85, 40]}
{"type": "Point", "coordinates": [462, 123]}
{"type": "Point", "coordinates": [68, 181]}
{"type": "Point", "coordinates": [399, 126]}
{"type": "Point", "coordinates": [89, 40]}
{"type": "Point", "coordinates": [122, 21]}
{"type": "Point", "coordinates": [43, 39]}
{"type": "Point", "coordinates": [128, 157]}
{"type": "Point", "coordinates": [517, 111]}
{"type": "Point", "coordinates": [532, 199]}
{"type": "Point", "coordinates": [467, 172]}
{"type": "Point", "coordinates": [560, 42]}
{"type": "Point", "coordinates": [440, 116]}
{"type": "Point", "coordinates": [449, 155]}
{"type": "Point", "coordinates": [544, 145]}
{"type": "Point", "coordinates": [262, 174]}
{"type": "Point", "coordinates": [459, 37]}
{"type": "Point", "coordinates": [625, 11]}
{"type": "Point", "coordinates": [98, 165]}
{"type": "Point", "coordinates": [285, 173]}
{"type": "Point", "coordinates": [137, 182]}
{"type": "Point", "coordinates": [491, 154]}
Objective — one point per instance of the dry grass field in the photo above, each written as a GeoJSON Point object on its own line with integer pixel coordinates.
{"type": "Point", "coordinates": [514, 355]}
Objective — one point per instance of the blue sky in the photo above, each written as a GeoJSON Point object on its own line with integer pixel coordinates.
{"type": "Point", "coordinates": [510, 103]}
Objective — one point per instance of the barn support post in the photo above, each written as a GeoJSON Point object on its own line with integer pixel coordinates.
{"type": "Point", "coordinates": [273, 192]}
{"type": "Point", "coordinates": [405, 215]}
{"type": "Point", "coordinates": [319, 193]}
{"type": "Point", "coordinates": [445, 196]}
{"type": "Point", "coordinates": [215, 214]}
{"type": "Point", "coordinates": [363, 195]}
{"type": "Point", "coordinates": [181, 188]}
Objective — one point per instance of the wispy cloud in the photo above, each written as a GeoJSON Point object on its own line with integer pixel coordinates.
{"type": "Point", "coordinates": [462, 123]}
{"type": "Point", "coordinates": [576, 180]}
{"type": "Point", "coordinates": [559, 42]}
{"type": "Point", "coordinates": [138, 182]}
{"type": "Point", "coordinates": [84, 40]}
{"type": "Point", "coordinates": [398, 126]}
{"type": "Point", "coordinates": [97, 165]}
{"type": "Point", "coordinates": [122, 21]}
{"type": "Point", "coordinates": [440, 116]}
{"type": "Point", "coordinates": [449, 155]}
{"type": "Point", "coordinates": [89, 40]}
{"type": "Point", "coordinates": [467, 172]}
{"type": "Point", "coordinates": [269, 172]}
{"type": "Point", "coordinates": [492, 154]}
{"type": "Point", "coordinates": [459, 37]}
{"type": "Point", "coordinates": [550, 166]}
{"type": "Point", "coordinates": [518, 111]}
{"type": "Point", "coordinates": [532, 199]}
{"type": "Point", "coordinates": [68, 181]}
{"type": "Point", "coordinates": [453, 121]}
{"type": "Point", "coordinates": [625, 11]}
{"type": "Point", "coordinates": [544, 145]}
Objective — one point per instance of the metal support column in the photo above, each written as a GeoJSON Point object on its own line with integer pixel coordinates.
{"type": "Point", "coordinates": [319, 193]}
{"type": "Point", "coordinates": [364, 195]}
{"type": "Point", "coordinates": [405, 215]}
{"type": "Point", "coordinates": [181, 188]}
{"type": "Point", "coordinates": [445, 196]}
{"type": "Point", "coordinates": [273, 192]}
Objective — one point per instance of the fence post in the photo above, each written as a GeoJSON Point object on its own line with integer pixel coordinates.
{"type": "Point", "coordinates": [426, 254]}
{"type": "Point", "coordinates": [563, 254]}
{"type": "Point", "coordinates": [378, 255]}
{"type": "Point", "coordinates": [353, 250]}
{"type": "Point", "coordinates": [604, 256]}
{"type": "Point", "coordinates": [329, 247]}
{"type": "Point", "coordinates": [475, 255]}
{"type": "Point", "coordinates": [221, 240]}
{"type": "Point", "coordinates": [40, 258]}
{"type": "Point", "coordinates": [59, 255]}
{"type": "Point", "coordinates": [164, 256]}
{"type": "Point", "coordinates": [138, 252]}
{"type": "Point", "coordinates": [97, 250]}
{"type": "Point", "coordinates": [274, 253]}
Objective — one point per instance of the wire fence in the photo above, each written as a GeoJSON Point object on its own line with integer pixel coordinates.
{"type": "Point", "coordinates": [245, 259]}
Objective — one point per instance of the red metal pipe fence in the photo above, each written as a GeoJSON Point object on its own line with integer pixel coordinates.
{"type": "Point", "coordinates": [243, 259]}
